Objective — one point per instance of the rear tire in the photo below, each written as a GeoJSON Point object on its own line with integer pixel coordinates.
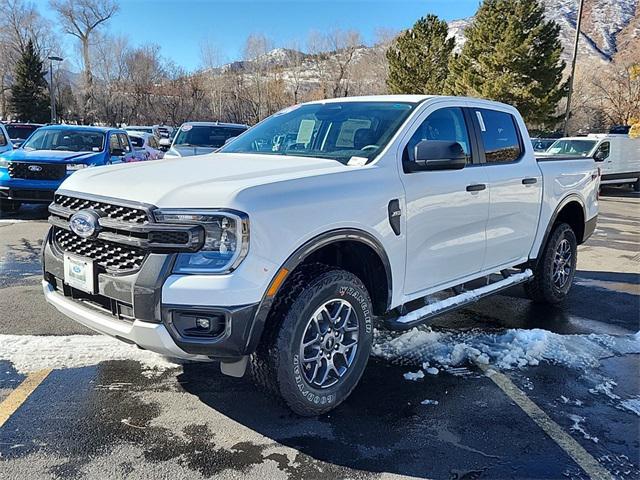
{"type": "Point", "coordinates": [9, 206]}
{"type": "Point", "coordinates": [636, 186]}
{"type": "Point", "coordinates": [555, 269]}
{"type": "Point", "coordinates": [329, 310]}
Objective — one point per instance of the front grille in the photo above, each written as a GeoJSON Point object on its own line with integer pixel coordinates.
{"type": "Point", "coordinates": [176, 238]}
{"type": "Point", "coordinates": [38, 195]}
{"type": "Point", "coordinates": [115, 212]}
{"type": "Point", "coordinates": [37, 171]}
{"type": "Point", "coordinates": [111, 256]}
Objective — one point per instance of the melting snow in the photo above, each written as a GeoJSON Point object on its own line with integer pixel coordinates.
{"type": "Point", "coordinates": [632, 404]}
{"type": "Point", "coordinates": [510, 349]}
{"type": "Point", "coordinates": [413, 376]}
{"type": "Point", "coordinates": [29, 353]}
{"type": "Point", "coordinates": [577, 427]}
{"type": "Point", "coordinates": [429, 402]}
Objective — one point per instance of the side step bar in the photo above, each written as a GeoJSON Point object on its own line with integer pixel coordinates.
{"type": "Point", "coordinates": [429, 312]}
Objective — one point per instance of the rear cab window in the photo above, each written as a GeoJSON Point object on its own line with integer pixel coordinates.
{"type": "Point", "coordinates": [499, 135]}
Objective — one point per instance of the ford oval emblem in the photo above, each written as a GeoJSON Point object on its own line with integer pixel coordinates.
{"type": "Point", "coordinates": [84, 223]}
{"type": "Point", "coordinates": [76, 269]}
{"type": "Point", "coordinates": [35, 168]}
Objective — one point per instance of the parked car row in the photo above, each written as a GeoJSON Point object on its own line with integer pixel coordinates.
{"type": "Point", "coordinates": [617, 154]}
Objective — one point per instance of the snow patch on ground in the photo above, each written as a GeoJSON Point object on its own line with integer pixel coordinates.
{"type": "Point", "coordinates": [413, 376]}
{"type": "Point", "coordinates": [429, 402]}
{"type": "Point", "coordinates": [30, 353]}
{"type": "Point", "coordinates": [632, 404]}
{"type": "Point", "coordinates": [577, 427]}
{"type": "Point", "coordinates": [515, 348]}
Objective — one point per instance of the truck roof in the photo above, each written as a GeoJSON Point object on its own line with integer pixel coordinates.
{"type": "Point", "coordinates": [408, 99]}
{"type": "Point", "coordinates": [88, 128]}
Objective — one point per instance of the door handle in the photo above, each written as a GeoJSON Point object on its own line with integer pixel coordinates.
{"type": "Point", "coordinates": [476, 188]}
{"type": "Point", "coordinates": [529, 181]}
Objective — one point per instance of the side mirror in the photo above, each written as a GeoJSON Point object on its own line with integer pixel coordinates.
{"type": "Point", "coordinates": [438, 155]}
{"type": "Point", "coordinates": [599, 156]}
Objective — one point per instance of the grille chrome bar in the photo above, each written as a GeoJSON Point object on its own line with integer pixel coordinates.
{"type": "Point", "coordinates": [154, 236]}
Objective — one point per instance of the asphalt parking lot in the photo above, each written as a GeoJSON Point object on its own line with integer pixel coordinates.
{"type": "Point", "coordinates": [557, 397]}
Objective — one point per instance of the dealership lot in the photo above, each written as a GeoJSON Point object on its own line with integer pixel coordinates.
{"type": "Point", "coordinates": [90, 411]}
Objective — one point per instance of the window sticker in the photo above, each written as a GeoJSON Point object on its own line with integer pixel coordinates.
{"type": "Point", "coordinates": [346, 137]}
{"type": "Point", "coordinates": [357, 161]}
{"type": "Point", "coordinates": [305, 131]}
{"type": "Point", "coordinates": [186, 128]}
{"type": "Point", "coordinates": [481, 121]}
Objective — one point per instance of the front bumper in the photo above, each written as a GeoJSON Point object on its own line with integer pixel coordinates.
{"type": "Point", "coordinates": [146, 335]}
{"type": "Point", "coordinates": [130, 308]}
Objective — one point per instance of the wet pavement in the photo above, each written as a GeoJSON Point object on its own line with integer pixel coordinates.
{"type": "Point", "coordinates": [118, 419]}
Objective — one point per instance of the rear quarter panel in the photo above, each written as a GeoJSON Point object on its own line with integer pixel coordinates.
{"type": "Point", "coordinates": [576, 178]}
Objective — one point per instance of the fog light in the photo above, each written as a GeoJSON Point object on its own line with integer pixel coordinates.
{"type": "Point", "coordinates": [199, 324]}
{"type": "Point", "coordinates": [203, 323]}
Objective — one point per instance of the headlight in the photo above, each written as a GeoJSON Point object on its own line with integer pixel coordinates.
{"type": "Point", "coordinates": [226, 241]}
{"type": "Point", "coordinates": [72, 167]}
{"type": "Point", "coordinates": [4, 163]}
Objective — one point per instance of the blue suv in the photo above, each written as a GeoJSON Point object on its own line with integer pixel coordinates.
{"type": "Point", "coordinates": [33, 172]}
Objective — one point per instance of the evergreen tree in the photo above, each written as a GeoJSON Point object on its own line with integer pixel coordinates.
{"type": "Point", "coordinates": [512, 54]}
{"type": "Point", "coordinates": [419, 58]}
{"type": "Point", "coordinates": [29, 93]}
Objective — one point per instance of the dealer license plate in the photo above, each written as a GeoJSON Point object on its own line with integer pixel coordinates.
{"type": "Point", "coordinates": [78, 273]}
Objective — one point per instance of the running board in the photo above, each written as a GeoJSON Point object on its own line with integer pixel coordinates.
{"type": "Point", "coordinates": [429, 312]}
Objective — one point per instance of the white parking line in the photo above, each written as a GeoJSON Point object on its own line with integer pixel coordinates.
{"type": "Point", "coordinates": [565, 441]}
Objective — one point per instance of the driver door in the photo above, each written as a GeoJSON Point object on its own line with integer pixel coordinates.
{"type": "Point", "coordinates": [447, 211]}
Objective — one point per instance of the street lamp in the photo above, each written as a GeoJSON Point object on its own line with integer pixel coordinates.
{"type": "Point", "coordinates": [52, 59]}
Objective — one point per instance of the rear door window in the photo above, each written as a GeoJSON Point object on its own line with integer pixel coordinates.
{"type": "Point", "coordinates": [499, 135]}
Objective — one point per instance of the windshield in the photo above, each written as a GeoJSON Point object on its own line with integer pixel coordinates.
{"type": "Point", "coordinates": [205, 135]}
{"type": "Point", "coordinates": [336, 131]}
{"type": "Point", "coordinates": [68, 140]}
{"type": "Point", "coordinates": [20, 132]}
{"type": "Point", "coordinates": [571, 147]}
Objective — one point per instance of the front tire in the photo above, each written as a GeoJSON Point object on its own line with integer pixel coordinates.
{"type": "Point", "coordinates": [636, 186]}
{"type": "Point", "coordinates": [318, 340]}
{"type": "Point", "coordinates": [555, 270]}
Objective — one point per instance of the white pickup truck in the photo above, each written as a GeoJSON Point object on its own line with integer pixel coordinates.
{"type": "Point", "coordinates": [282, 249]}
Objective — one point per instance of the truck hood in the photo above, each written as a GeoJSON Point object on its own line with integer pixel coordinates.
{"type": "Point", "coordinates": [50, 156]}
{"type": "Point", "coordinates": [194, 182]}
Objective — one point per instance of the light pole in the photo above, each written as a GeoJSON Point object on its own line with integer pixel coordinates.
{"type": "Point", "coordinates": [51, 89]}
{"type": "Point", "coordinates": [567, 113]}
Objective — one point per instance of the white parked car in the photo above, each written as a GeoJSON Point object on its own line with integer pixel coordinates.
{"type": "Point", "coordinates": [146, 145]}
{"type": "Point", "coordinates": [5, 141]}
{"type": "Point", "coordinates": [282, 249]}
{"type": "Point", "coordinates": [618, 155]}
{"type": "Point", "coordinates": [199, 138]}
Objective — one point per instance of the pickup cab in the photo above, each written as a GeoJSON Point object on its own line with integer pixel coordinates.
{"type": "Point", "coordinates": [280, 252]}
{"type": "Point", "coordinates": [33, 172]}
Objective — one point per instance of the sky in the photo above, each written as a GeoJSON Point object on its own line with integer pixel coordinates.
{"type": "Point", "coordinates": [181, 26]}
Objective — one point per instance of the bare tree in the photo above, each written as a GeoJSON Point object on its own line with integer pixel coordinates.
{"type": "Point", "coordinates": [619, 91]}
{"type": "Point", "coordinates": [82, 18]}
{"type": "Point", "coordinates": [343, 45]}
